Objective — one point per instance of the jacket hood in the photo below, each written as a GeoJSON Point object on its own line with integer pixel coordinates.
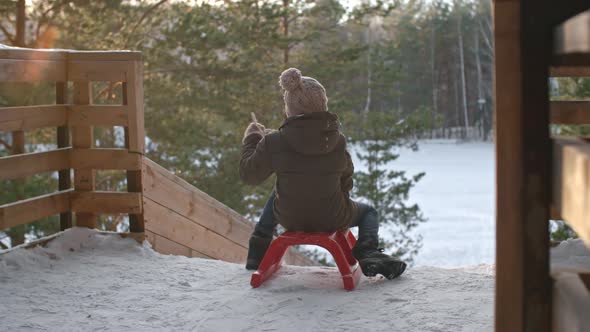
{"type": "Point", "coordinates": [313, 133]}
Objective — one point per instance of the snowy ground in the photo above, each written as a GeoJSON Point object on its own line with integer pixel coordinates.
{"type": "Point", "coordinates": [87, 282]}
{"type": "Point", "coordinates": [457, 197]}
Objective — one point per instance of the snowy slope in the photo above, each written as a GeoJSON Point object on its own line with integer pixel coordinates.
{"type": "Point", "coordinates": [87, 281]}
{"type": "Point", "coordinates": [457, 197]}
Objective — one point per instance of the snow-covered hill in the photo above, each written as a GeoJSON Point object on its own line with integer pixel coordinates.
{"type": "Point", "coordinates": [85, 281]}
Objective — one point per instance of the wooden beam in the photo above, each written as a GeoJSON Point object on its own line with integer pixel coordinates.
{"type": "Point", "coordinates": [23, 165]}
{"type": "Point", "coordinates": [32, 70]}
{"type": "Point", "coordinates": [105, 202]}
{"type": "Point", "coordinates": [109, 71]}
{"type": "Point", "coordinates": [522, 52]}
{"type": "Point", "coordinates": [63, 141]}
{"type": "Point", "coordinates": [32, 209]}
{"type": "Point", "coordinates": [97, 115]}
{"type": "Point", "coordinates": [171, 225]}
{"type": "Point", "coordinates": [569, 71]}
{"type": "Point", "coordinates": [570, 112]}
{"type": "Point", "coordinates": [104, 55]}
{"type": "Point", "coordinates": [18, 53]}
{"type": "Point", "coordinates": [573, 36]}
{"type": "Point", "coordinates": [181, 197]}
{"type": "Point", "coordinates": [571, 189]}
{"type": "Point", "coordinates": [133, 98]}
{"type": "Point", "coordinates": [32, 117]}
{"type": "Point", "coordinates": [105, 159]}
{"type": "Point", "coordinates": [83, 138]}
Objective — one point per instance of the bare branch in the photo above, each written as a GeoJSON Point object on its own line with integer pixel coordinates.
{"type": "Point", "coordinates": [7, 34]}
{"type": "Point", "coordinates": [6, 145]}
{"type": "Point", "coordinates": [141, 19]}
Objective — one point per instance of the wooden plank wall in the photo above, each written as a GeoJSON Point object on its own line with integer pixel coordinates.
{"type": "Point", "coordinates": [571, 184]}
{"type": "Point", "coordinates": [180, 219]}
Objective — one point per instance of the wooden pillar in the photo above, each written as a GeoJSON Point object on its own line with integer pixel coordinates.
{"type": "Point", "coordinates": [82, 138]}
{"type": "Point", "coordinates": [63, 140]}
{"type": "Point", "coordinates": [134, 133]}
{"type": "Point", "coordinates": [523, 155]}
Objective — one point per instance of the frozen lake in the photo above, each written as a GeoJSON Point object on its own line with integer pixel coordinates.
{"type": "Point", "coordinates": [457, 197]}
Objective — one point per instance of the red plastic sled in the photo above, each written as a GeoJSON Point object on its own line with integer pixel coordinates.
{"type": "Point", "coordinates": [339, 244]}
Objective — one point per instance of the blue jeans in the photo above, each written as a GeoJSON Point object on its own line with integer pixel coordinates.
{"type": "Point", "coordinates": [367, 221]}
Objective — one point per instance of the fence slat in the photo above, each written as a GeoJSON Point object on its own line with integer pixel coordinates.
{"type": "Point", "coordinates": [83, 138]}
{"type": "Point", "coordinates": [95, 71]}
{"type": "Point", "coordinates": [12, 70]}
{"type": "Point", "coordinates": [570, 112]}
{"type": "Point", "coordinates": [569, 71]}
{"type": "Point", "coordinates": [63, 140]}
{"type": "Point", "coordinates": [133, 92]}
{"type": "Point", "coordinates": [22, 165]}
{"type": "Point", "coordinates": [105, 159]}
{"type": "Point", "coordinates": [106, 202]}
{"type": "Point", "coordinates": [571, 186]}
{"type": "Point", "coordinates": [167, 223]}
{"type": "Point", "coordinates": [193, 204]}
{"type": "Point", "coordinates": [32, 117]}
{"type": "Point", "coordinates": [97, 115]}
{"type": "Point", "coordinates": [29, 210]}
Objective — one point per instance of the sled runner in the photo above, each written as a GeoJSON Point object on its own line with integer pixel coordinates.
{"type": "Point", "coordinates": [339, 244]}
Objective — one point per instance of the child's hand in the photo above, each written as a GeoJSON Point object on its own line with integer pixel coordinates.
{"type": "Point", "coordinates": [254, 128]}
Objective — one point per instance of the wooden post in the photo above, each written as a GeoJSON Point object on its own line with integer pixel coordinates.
{"type": "Point", "coordinates": [523, 155]}
{"type": "Point", "coordinates": [134, 133]}
{"type": "Point", "coordinates": [63, 140]}
{"type": "Point", "coordinates": [82, 138]}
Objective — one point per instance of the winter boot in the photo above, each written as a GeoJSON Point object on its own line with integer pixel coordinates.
{"type": "Point", "coordinates": [373, 261]}
{"type": "Point", "coordinates": [257, 248]}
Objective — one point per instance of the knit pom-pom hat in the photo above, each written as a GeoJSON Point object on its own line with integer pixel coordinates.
{"type": "Point", "coordinates": [302, 94]}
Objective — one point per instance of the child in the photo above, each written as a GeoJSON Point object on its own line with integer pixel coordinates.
{"type": "Point", "coordinates": [314, 177]}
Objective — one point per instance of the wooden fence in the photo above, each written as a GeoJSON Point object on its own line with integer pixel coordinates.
{"type": "Point", "coordinates": [571, 160]}
{"type": "Point", "coordinates": [74, 122]}
{"type": "Point", "coordinates": [176, 217]}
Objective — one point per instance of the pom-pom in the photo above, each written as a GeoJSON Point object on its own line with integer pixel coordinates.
{"type": "Point", "coordinates": [290, 79]}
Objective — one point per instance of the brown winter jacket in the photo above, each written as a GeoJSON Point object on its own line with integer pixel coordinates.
{"type": "Point", "coordinates": [314, 172]}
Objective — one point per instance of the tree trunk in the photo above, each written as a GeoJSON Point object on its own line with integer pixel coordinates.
{"type": "Point", "coordinates": [369, 73]}
{"type": "Point", "coordinates": [462, 67]}
{"type": "Point", "coordinates": [433, 77]}
{"type": "Point", "coordinates": [19, 39]}
{"type": "Point", "coordinates": [480, 97]}
{"type": "Point", "coordinates": [286, 32]}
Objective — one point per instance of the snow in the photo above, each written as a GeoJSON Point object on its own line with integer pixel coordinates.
{"type": "Point", "coordinates": [571, 297]}
{"type": "Point", "coordinates": [570, 256]}
{"type": "Point", "coordinates": [84, 280]}
{"type": "Point", "coordinates": [457, 196]}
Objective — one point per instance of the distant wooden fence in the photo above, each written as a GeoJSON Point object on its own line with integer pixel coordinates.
{"type": "Point", "coordinates": [176, 217]}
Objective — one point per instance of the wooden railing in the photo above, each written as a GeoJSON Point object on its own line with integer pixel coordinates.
{"type": "Point", "coordinates": [176, 217]}
{"type": "Point", "coordinates": [75, 141]}
{"type": "Point", "coordinates": [571, 159]}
